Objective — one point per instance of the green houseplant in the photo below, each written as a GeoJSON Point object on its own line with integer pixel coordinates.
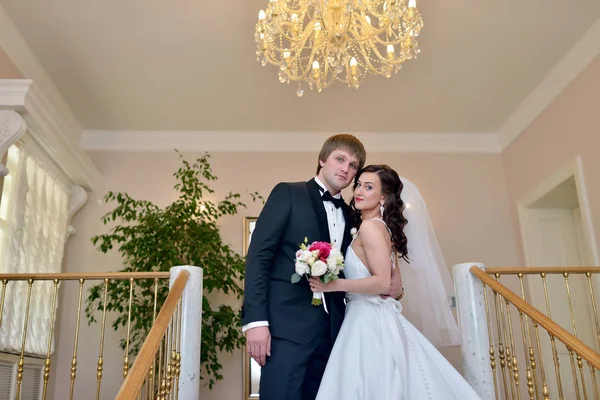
{"type": "Point", "coordinates": [150, 238]}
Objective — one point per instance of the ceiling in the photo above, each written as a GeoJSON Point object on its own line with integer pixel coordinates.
{"type": "Point", "coordinates": [191, 65]}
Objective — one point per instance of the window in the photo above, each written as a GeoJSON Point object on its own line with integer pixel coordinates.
{"type": "Point", "coordinates": [8, 187]}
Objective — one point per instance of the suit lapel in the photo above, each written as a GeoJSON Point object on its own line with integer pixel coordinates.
{"type": "Point", "coordinates": [317, 203]}
{"type": "Point", "coordinates": [348, 226]}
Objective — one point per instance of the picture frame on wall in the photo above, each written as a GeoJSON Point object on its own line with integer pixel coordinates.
{"type": "Point", "coordinates": [251, 369]}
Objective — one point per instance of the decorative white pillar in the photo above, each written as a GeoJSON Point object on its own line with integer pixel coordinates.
{"type": "Point", "coordinates": [472, 322]}
{"type": "Point", "coordinates": [12, 127]}
{"type": "Point", "coordinates": [191, 332]}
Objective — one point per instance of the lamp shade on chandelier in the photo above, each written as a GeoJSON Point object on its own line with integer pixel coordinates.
{"type": "Point", "coordinates": [323, 41]}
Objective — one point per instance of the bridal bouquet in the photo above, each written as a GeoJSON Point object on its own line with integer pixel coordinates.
{"type": "Point", "coordinates": [319, 259]}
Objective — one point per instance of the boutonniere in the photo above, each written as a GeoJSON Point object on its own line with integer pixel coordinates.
{"type": "Point", "coordinates": [354, 233]}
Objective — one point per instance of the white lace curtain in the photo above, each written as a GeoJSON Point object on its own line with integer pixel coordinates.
{"type": "Point", "coordinates": [36, 240]}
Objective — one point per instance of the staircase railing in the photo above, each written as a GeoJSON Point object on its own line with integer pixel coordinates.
{"type": "Point", "coordinates": [160, 353]}
{"type": "Point", "coordinates": [504, 334]}
{"type": "Point", "coordinates": [169, 357]}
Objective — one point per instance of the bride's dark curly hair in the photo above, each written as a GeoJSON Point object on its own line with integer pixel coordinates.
{"type": "Point", "coordinates": [391, 186]}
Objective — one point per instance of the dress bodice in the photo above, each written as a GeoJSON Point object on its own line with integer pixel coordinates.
{"type": "Point", "coordinates": [353, 266]}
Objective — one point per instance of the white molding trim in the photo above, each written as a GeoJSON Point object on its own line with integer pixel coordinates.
{"type": "Point", "coordinates": [572, 64]}
{"type": "Point", "coordinates": [49, 129]}
{"type": "Point", "coordinates": [234, 141]}
{"type": "Point", "coordinates": [77, 200]}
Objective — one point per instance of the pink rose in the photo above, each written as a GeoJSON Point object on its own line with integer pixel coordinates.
{"type": "Point", "coordinates": [324, 249]}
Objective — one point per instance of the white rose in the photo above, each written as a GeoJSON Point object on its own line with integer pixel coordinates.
{"type": "Point", "coordinates": [302, 269]}
{"type": "Point", "coordinates": [305, 255]}
{"type": "Point", "coordinates": [318, 268]}
{"type": "Point", "coordinates": [332, 263]}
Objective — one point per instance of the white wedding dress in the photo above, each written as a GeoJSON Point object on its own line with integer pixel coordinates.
{"type": "Point", "coordinates": [380, 355]}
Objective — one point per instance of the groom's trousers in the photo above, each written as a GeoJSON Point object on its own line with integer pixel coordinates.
{"type": "Point", "coordinates": [293, 371]}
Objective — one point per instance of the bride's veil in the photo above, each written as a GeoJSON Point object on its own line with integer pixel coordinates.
{"type": "Point", "coordinates": [426, 279]}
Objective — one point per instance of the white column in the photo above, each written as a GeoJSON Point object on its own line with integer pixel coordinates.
{"type": "Point", "coordinates": [472, 322]}
{"type": "Point", "coordinates": [191, 328]}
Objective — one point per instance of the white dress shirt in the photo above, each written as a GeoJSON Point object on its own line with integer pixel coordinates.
{"type": "Point", "coordinates": [336, 224]}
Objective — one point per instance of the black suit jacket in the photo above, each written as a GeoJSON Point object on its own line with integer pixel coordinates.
{"type": "Point", "coordinates": [292, 212]}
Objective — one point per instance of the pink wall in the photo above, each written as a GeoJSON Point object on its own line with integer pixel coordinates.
{"type": "Point", "coordinates": [570, 126]}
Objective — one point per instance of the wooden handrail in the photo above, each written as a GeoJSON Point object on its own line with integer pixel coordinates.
{"type": "Point", "coordinates": [539, 270]}
{"type": "Point", "coordinates": [135, 379]}
{"type": "Point", "coordinates": [552, 327]}
{"type": "Point", "coordinates": [68, 276]}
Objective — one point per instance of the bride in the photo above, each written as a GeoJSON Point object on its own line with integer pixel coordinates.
{"type": "Point", "coordinates": [378, 353]}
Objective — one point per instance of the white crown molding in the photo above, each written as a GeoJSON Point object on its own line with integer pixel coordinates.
{"type": "Point", "coordinates": [576, 60]}
{"type": "Point", "coordinates": [240, 141]}
{"type": "Point", "coordinates": [49, 129]}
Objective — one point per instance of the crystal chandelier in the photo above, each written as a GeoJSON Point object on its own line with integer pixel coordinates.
{"type": "Point", "coordinates": [321, 41]}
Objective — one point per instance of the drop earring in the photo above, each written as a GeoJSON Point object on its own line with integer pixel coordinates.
{"type": "Point", "coordinates": [381, 209]}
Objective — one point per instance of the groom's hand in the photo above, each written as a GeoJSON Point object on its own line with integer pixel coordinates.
{"type": "Point", "coordinates": [258, 344]}
{"type": "Point", "coordinates": [395, 285]}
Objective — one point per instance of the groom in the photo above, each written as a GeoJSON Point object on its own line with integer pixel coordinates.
{"type": "Point", "coordinates": [285, 334]}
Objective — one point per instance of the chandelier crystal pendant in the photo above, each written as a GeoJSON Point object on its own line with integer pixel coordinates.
{"type": "Point", "coordinates": [321, 41]}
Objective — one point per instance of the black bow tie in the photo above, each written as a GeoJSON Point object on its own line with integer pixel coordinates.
{"type": "Point", "coordinates": [328, 197]}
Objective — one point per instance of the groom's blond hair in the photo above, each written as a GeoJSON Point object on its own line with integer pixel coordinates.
{"type": "Point", "coordinates": [343, 141]}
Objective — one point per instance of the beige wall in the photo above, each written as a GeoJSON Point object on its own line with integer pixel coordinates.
{"type": "Point", "coordinates": [7, 68]}
{"type": "Point", "coordinates": [466, 195]}
{"type": "Point", "coordinates": [570, 126]}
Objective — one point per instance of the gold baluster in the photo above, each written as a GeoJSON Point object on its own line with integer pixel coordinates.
{"type": "Point", "coordinates": [178, 350]}
{"type": "Point", "coordinates": [545, 391]}
{"type": "Point", "coordinates": [159, 374]}
{"type": "Point", "coordinates": [491, 340]}
{"type": "Point", "coordinates": [76, 343]}
{"type": "Point", "coordinates": [514, 352]}
{"type": "Point", "coordinates": [100, 367]}
{"type": "Point", "coordinates": [593, 370]}
{"type": "Point", "coordinates": [579, 363]}
{"type": "Point", "coordinates": [126, 360]}
{"type": "Point", "coordinates": [529, 361]}
{"type": "Point", "coordinates": [174, 353]}
{"type": "Point", "coordinates": [163, 381]}
{"type": "Point", "coordinates": [574, 372]}
{"type": "Point", "coordinates": [49, 347]}
{"type": "Point", "coordinates": [507, 349]}
{"type": "Point", "coordinates": [169, 358]}
{"type": "Point", "coordinates": [552, 340]}
{"type": "Point", "coordinates": [593, 300]}
{"type": "Point", "coordinates": [501, 354]}
{"type": "Point", "coordinates": [23, 339]}
{"type": "Point", "coordinates": [4, 283]}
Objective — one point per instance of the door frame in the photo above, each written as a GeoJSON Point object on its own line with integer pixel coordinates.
{"type": "Point", "coordinates": [573, 169]}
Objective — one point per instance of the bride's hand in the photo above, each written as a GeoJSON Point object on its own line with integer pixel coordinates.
{"type": "Point", "coordinates": [316, 285]}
